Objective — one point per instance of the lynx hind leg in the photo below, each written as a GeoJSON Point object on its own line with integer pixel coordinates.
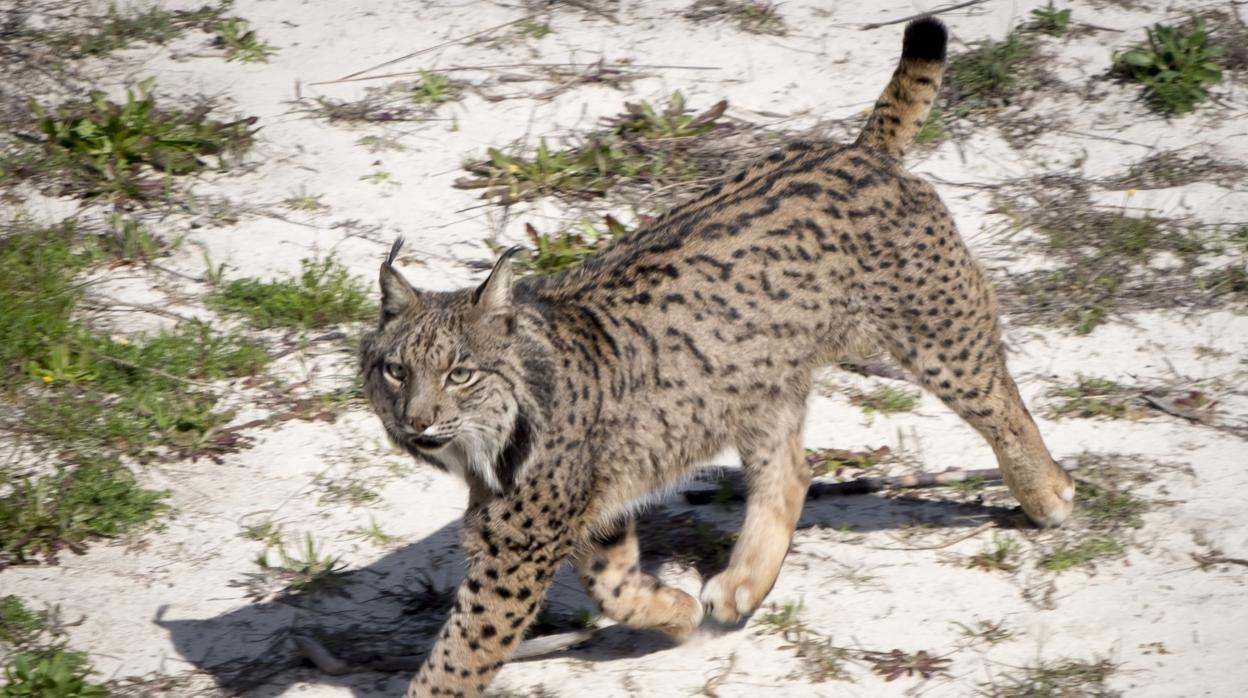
{"type": "Point", "coordinates": [778, 476]}
{"type": "Point", "coordinates": [609, 567]}
{"type": "Point", "coordinates": [944, 329]}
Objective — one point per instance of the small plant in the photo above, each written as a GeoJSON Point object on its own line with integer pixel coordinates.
{"type": "Point", "coordinates": [644, 121]}
{"type": "Point", "coordinates": [886, 400]}
{"type": "Point", "coordinates": [303, 201]}
{"type": "Point", "coordinates": [121, 27]}
{"type": "Point", "coordinates": [128, 240]}
{"type": "Point", "coordinates": [553, 252]}
{"type": "Point", "coordinates": [626, 152]}
{"type": "Point", "coordinates": [265, 532]}
{"type": "Point", "coordinates": [379, 177]}
{"type": "Point", "coordinates": [352, 492]}
{"type": "Point", "coordinates": [1133, 236]}
{"type": "Point", "coordinates": [1090, 398]}
{"type": "Point", "coordinates": [241, 44]}
{"type": "Point", "coordinates": [832, 461]}
{"type": "Point", "coordinates": [324, 294]}
{"type": "Point", "coordinates": [895, 664]}
{"type": "Point", "coordinates": [434, 88]}
{"type": "Point", "coordinates": [19, 625]}
{"type": "Point", "coordinates": [933, 128]}
{"type": "Point", "coordinates": [1066, 557]}
{"type": "Point", "coordinates": [781, 619]}
{"type": "Point", "coordinates": [377, 144]}
{"type": "Point", "coordinates": [1001, 556]}
{"type": "Point", "coordinates": [1050, 20]}
{"type": "Point", "coordinates": [104, 147]}
{"type": "Point", "coordinates": [306, 570]}
{"type": "Point", "coordinates": [988, 72]}
{"type": "Point", "coordinates": [753, 16]}
{"type": "Point", "coordinates": [40, 516]}
{"type": "Point", "coordinates": [1175, 65]}
{"type": "Point", "coordinates": [985, 631]}
{"type": "Point", "coordinates": [535, 30]}
{"type": "Point", "coordinates": [51, 674]}
{"type": "Point", "coordinates": [376, 535]}
{"type": "Point", "coordinates": [1057, 679]}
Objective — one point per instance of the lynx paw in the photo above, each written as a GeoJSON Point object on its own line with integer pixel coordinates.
{"type": "Point", "coordinates": [685, 618]}
{"type": "Point", "coordinates": [731, 596]}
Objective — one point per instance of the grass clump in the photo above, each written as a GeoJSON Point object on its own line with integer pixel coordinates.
{"type": "Point", "coordinates": [647, 143]}
{"type": "Point", "coordinates": [324, 294]}
{"type": "Point", "coordinates": [1175, 66]}
{"type": "Point", "coordinates": [434, 88]}
{"type": "Point", "coordinates": [35, 665]}
{"type": "Point", "coordinates": [1050, 20]}
{"type": "Point", "coordinates": [1070, 678]}
{"type": "Point", "coordinates": [535, 30]}
{"type": "Point", "coordinates": [91, 396]}
{"type": "Point", "coordinates": [1001, 555]}
{"type": "Point", "coordinates": [752, 16]}
{"type": "Point", "coordinates": [101, 499]}
{"type": "Point", "coordinates": [554, 252]}
{"type": "Point", "coordinates": [102, 148]}
{"type": "Point", "coordinates": [835, 461]}
{"type": "Point", "coordinates": [933, 128]}
{"type": "Point", "coordinates": [886, 400]}
{"type": "Point", "coordinates": [1091, 398]}
{"type": "Point", "coordinates": [241, 43]}
{"type": "Point", "coordinates": [305, 570]}
{"type": "Point", "coordinates": [988, 73]}
{"type": "Point", "coordinates": [1068, 556]}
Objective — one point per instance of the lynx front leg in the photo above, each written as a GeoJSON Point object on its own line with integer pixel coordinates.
{"type": "Point", "coordinates": [778, 475]}
{"type": "Point", "coordinates": [513, 553]}
{"type": "Point", "coordinates": [609, 567]}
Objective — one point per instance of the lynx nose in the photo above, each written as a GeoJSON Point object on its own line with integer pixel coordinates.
{"type": "Point", "coordinates": [419, 424]}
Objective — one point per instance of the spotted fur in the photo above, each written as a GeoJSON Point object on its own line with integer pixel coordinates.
{"type": "Point", "coordinates": [564, 400]}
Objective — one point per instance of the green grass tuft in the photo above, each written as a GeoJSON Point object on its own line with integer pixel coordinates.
{"type": "Point", "coordinates": [987, 73]}
{"type": "Point", "coordinates": [101, 148]}
{"type": "Point", "coordinates": [324, 294]}
{"type": "Point", "coordinates": [1085, 552]}
{"type": "Point", "coordinates": [96, 499]}
{"type": "Point", "coordinates": [886, 400]}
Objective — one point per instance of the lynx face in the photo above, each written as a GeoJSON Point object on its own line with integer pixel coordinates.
{"type": "Point", "coordinates": [445, 373]}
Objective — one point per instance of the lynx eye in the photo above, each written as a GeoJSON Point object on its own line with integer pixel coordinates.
{"type": "Point", "coordinates": [459, 376]}
{"type": "Point", "coordinates": [396, 371]}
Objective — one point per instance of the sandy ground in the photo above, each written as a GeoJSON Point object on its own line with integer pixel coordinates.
{"type": "Point", "coordinates": [175, 612]}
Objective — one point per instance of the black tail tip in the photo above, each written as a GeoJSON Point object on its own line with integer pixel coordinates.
{"type": "Point", "coordinates": [926, 39]}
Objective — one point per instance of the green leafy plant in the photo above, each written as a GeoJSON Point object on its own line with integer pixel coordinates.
{"type": "Point", "coordinates": [643, 120]}
{"type": "Point", "coordinates": [552, 252]}
{"type": "Point", "coordinates": [241, 44]}
{"type": "Point", "coordinates": [933, 128]}
{"type": "Point", "coordinates": [1175, 65]}
{"type": "Point", "coordinates": [96, 499]}
{"type": "Point", "coordinates": [104, 146]}
{"type": "Point", "coordinates": [434, 88]}
{"type": "Point", "coordinates": [1050, 20]}
{"type": "Point", "coordinates": [1085, 552]}
{"type": "Point", "coordinates": [324, 294]}
{"type": "Point", "coordinates": [53, 674]}
{"type": "Point", "coordinates": [629, 151]}
{"type": "Point", "coordinates": [1091, 397]}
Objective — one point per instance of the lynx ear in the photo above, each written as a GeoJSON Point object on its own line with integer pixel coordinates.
{"type": "Point", "coordinates": [397, 295]}
{"type": "Point", "coordinates": [494, 294]}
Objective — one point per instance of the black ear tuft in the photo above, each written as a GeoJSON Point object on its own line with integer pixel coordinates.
{"type": "Point", "coordinates": [396, 294]}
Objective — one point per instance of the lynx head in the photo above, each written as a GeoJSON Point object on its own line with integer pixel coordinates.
{"type": "Point", "coordinates": [454, 377]}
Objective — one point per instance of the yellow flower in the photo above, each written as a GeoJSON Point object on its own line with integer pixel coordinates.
{"type": "Point", "coordinates": [513, 168]}
{"type": "Point", "coordinates": [868, 110]}
{"type": "Point", "coordinates": [1131, 192]}
{"type": "Point", "coordinates": [47, 378]}
{"type": "Point", "coordinates": [123, 341]}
